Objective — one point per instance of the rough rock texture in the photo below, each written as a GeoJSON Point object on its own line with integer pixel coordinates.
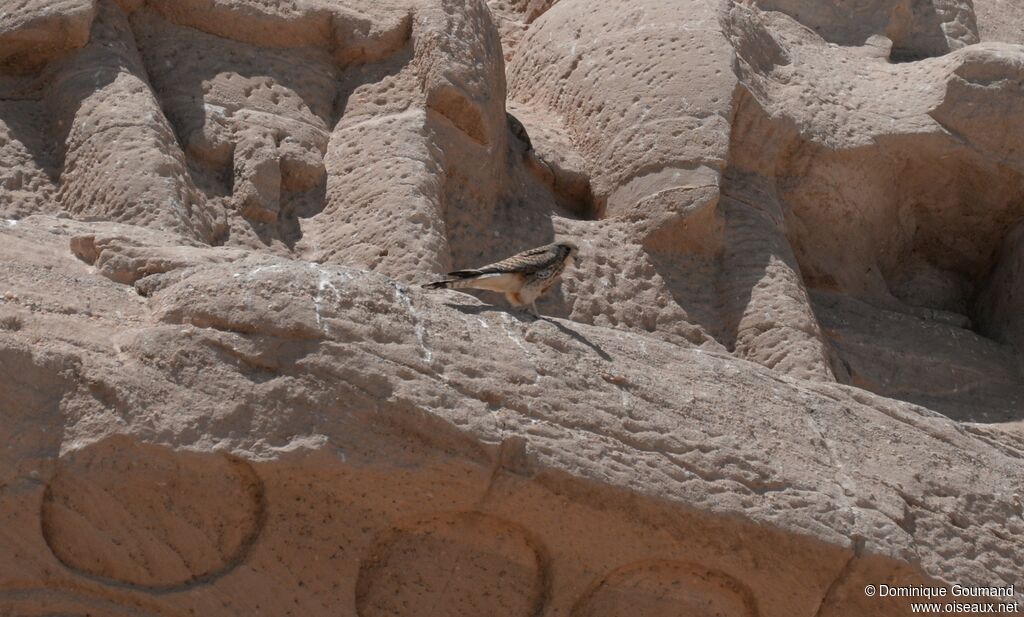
{"type": "Point", "coordinates": [999, 305]}
{"type": "Point", "coordinates": [789, 364]}
{"type": "Point", "coordinates": [917, 28]}
{"type": "Point", "coordinates": [33, 32]}
{"type": "Point", "coordinates": [897, 200]}
{"type": "Point", "coordinates": [1000, 20]}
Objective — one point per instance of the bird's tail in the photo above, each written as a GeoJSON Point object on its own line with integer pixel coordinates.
{"type": "Point", "coordinates": [459, 283]}
{"type": "Point", "coordinates": [438, 285]}
{"type": "Point", "coordinates": [460, 280]}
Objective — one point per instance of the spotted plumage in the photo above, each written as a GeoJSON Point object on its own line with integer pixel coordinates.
{"type": "Point", "coordinates": [523, 278]}
{"type": "Point", "coordinates": [519, 131]}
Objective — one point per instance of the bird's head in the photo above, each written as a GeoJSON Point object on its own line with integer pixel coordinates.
{"type": "Point", "coordinates": [572, 252]}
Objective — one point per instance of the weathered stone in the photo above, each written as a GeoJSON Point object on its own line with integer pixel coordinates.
{"type": "Point", "coordinates": [917, 28]}
{"type": "Point", "coordinates": [1001, 303]}
{"type": "Point", "coordinates": [788, 364]}
{"type": "Point", "coordinates": [34, 32]}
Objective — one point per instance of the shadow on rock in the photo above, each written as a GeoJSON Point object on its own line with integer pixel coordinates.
{"type": "Point", "coordinates": [525, 317]}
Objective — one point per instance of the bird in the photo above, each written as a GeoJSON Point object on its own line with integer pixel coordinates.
{"type": "Point", "coordinates": [523, 278]}
{"type": "Point", "coordinates": [519, 132]}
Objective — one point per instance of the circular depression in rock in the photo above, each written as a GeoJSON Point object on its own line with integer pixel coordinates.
{"type": "Point", "coordinates": [147, 516]}
{"type": "Point", "coordinates": [56, 602]}
{"type": "Point", "coordinates": [666, 589]}
{"type": "Point", "coordinates": [461, 565]}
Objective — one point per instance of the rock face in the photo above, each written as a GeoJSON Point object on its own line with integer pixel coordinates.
{"type": "Point", "coordinates": [790, 363]}
{"type": "Point", "coordinates": [917, 28]}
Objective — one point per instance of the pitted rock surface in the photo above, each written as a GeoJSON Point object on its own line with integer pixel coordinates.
{"type": "Point", "coordinates": [789, 363]}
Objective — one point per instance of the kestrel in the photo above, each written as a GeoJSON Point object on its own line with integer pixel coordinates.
{"type": "Point", "coordinates": [519, 131]}
{"type": "Point", "coordinates": [522, 278]}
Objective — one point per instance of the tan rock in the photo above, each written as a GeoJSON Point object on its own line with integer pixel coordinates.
{"type": "Point", "coordinates": [119, 158]}
{"type": "Point", "coordinates": [459, 429]}
{"type": "Point", "coordinates": [903, 356]}
{"type": "Point", "coordinates": [655, 141]}
{"type": "Point", "coordinates": [356, 31]}
{"type": "Point", "coordinates": [27, 161]}
{"type": "Point", "coordinates": [1000, 21]}
{"type": "Point", "coordinates": [986, 84]}
{"type": "Point", "coordinates": [868, 216]}
{"type": "Point", "coordinates": [917, 29]}
{"type": "Point", "coordinates": [787, 366]}
{"type": "Point", "coordinates": [1000, 303]}
{"type": "Point", "coordinates": [34, 32]}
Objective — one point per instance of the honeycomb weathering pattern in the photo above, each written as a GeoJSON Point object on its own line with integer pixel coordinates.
{"type": "Point", "coordinates": [250, 190]}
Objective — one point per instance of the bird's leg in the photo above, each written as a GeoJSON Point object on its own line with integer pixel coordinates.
{"type": "Point", "coordinates": [533, 309]}
{"type": "Point", "coordinates": [527, 313]}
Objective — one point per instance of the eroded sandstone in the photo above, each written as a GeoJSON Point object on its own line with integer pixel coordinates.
{"type": "Point", "coordinates": [789, 364]}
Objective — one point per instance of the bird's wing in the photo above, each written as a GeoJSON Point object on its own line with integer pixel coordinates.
{"type": "Point", "coordinates": [526, 262]}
